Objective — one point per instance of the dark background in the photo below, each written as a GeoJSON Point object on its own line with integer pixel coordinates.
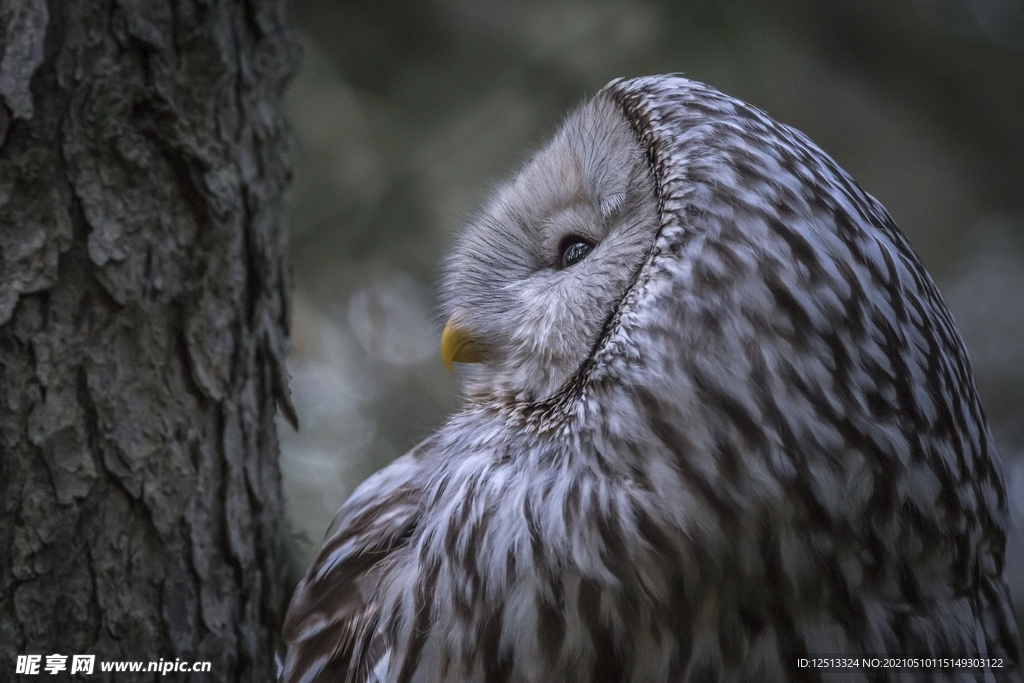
{"type": "Point", "coordinates": [407, 113]}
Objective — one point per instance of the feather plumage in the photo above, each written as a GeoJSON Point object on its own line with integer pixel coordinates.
{"type": "Point", "coordinates": [741, 431]}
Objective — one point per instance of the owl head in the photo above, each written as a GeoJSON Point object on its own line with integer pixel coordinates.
{"type": "Point", "coordinates": [534, 278]}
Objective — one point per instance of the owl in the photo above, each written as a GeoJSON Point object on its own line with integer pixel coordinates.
{"type": "Point", "coordinates": [719, 426]}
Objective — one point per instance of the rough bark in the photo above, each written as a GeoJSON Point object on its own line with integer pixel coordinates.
{"type": "Point", "coordinates": [143, 322]}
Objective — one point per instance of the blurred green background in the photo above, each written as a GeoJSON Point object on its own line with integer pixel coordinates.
{"type": "Point", "coordinates": [407, 113]}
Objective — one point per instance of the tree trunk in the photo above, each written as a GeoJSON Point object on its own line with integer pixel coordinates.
{"type": "Point", "coordinates": [143, 328]}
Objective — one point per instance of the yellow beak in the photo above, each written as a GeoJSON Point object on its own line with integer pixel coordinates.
{"type": "Point", "coordinates": [458, 347]}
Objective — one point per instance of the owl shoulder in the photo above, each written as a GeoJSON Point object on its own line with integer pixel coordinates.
{"type": "Point", "coordinates": [332, 629]}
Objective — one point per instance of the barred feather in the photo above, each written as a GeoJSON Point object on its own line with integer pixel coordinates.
{"type": "Point", "coordinates": [742, 431]}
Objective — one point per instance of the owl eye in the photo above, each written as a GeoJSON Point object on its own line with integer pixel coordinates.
{"type": "Point", "coordinates": [573, 249]}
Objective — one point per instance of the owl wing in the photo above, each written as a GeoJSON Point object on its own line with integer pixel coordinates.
{"type": "Point", "coordinates": [332, 628]}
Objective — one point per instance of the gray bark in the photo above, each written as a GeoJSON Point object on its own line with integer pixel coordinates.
{"type": "Point", "coordinates": [143, 323]}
